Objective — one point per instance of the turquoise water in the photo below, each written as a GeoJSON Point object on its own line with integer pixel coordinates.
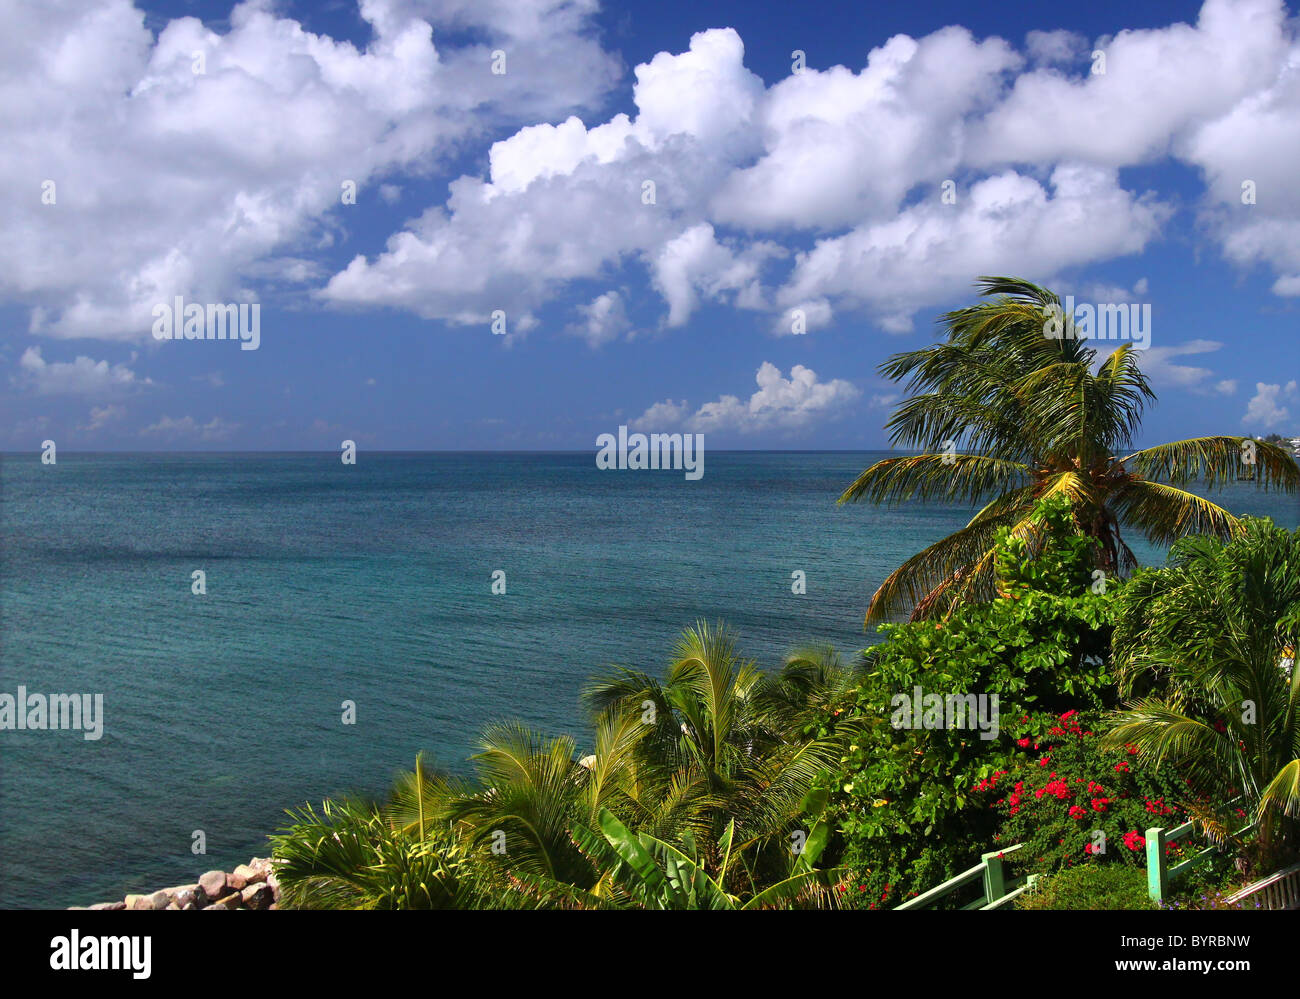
{"type": "Point", "coordinates": [372, 583]}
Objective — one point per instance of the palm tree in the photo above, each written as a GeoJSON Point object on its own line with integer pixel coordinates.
{"type": "Point", "coordinates": [1215, 633]}
{"type": "Point", "coordinates": [640, 871]}
{"type": "Point", "coordinates": [716, 745]}
{"type": "Point", "coordinates": [1037, 416]}
{"type": "Point", "coordinates": [349, 856]}
{"type": "Point", "coordinates": [724, 744]}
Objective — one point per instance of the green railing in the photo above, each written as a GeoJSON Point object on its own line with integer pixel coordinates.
{"type": "Point", "coordinates": [991, 871]}
{"type": "Point", "coordinates": [1160, 876]}
{"type": "Point", "coordinates": [998, 889]}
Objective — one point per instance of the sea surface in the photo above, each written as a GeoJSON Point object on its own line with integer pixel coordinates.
{"type": "Point", "coordinates": [373, 584]}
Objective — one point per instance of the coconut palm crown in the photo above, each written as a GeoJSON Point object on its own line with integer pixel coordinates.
{"type": "Point", "coordinates": [1009, 409]}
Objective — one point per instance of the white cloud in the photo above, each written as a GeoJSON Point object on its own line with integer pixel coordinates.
{"type": "Point", "coordinates": [695, 263]}
{"type": "Point", "coordinates": [142, 148]}
{"type": "Point", "coordinates": [1157, 364]}
{"type": "Point", "coordinates": [1157, 84]}
{"type": "Point", "coordinates": [82, 376]}
{"type": "Point", "coordinates": [1048, 48]}
{"type": "Point", "coordinates": [781, 403]}
{"type": "Point", "coordinates": [170, 428]}
{"type": "Point", "coordinates": [665, 415]}
{"type": "Point", "coordinates": [101, 416]}
{"type": "Point", "coordinates": [173, 182]}
{"type": "Point", "coordinates": [605, 319]}
{"type": "Point", "coordinates": [1007, 224]}
{"type": "Point", "coordinates": [843, 147]}
{"type": "Point", "coordinates": [566, 202]}
{"type": "Point", "coordinates": [1267, 409]}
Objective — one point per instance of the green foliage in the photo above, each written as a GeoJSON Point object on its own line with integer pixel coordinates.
{"type": "Point", "coordinates": [899, 872]}
{"type": "Point", "coordinates": [904, 796]}
{"type": "Point", "coordinates": [1089, 887]}
{"type": "Point", "coordinates": [709, 772]}
{"type": "Point", "coordinates": [1208, 886]}
{"type": "Point", "coordinates": [348, 856]}
{"type": "Point", "coordinates": [1207, 645]}
{"type": "Point", "coordinates": [640, 871]}
{"type": "Point", "coordinates": [1036, 416]}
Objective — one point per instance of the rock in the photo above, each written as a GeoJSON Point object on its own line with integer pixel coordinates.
{"type": "Point", "coordinates": [231, 901]}
{"type": "Point", "coordinates": [217, 906]}
{"type": "Point", "coordinates": [109, 906]}
{"type": "Point", "coordinates": [173, 905]}
{"type": "Point", "coordinates": [250, 874]}
{"type": "Point", "coordinates": [138, 903]}
{"type": "Point", "coordinates": [159, 900]}
{"type": "Point", "coordinates": [273, 905]}
{"type": "Point", "coordinates": [187, 908]}
{"type": "Point", "coordinates": [257, 896]}
{"type": "Point", "coordinates": [236, 881]}
{"type": "Point", "coordinates": [213, 884]}
{"type": "Point", "coordinates": [187, 895]}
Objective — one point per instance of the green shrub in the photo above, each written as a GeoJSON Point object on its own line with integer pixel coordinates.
{"type": "Point", "coordinates": [906, 800]}
{"type": "Point", "coordinates": [1072, 802]}
{"type": "Point", "coordinates": [1091, 886]}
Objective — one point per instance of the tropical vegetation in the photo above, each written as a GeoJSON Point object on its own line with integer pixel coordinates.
{"type": "Point", "coordinates": [1045, 691]}
{"type": "Point", "coordinates": [1035, 416]}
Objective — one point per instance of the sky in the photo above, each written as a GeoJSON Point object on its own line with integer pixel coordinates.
{"type": "Point", "coordinates": [520, 224]}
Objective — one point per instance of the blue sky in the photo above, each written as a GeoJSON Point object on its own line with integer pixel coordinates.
{"type": "Point", "coordinates": [776, 193]}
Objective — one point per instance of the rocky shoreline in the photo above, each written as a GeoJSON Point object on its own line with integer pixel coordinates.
{"type": "Point", "coordinates": [248, 886]}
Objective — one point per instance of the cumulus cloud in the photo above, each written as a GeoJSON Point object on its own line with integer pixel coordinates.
{"type": "Point", "coordinates": [81, 376]}
{"type": "Point", "coordinates": [189, 180]}
{"type": "Point", "coordinates": [1050, 48]}
{"type": "Point", "coordinates": [709, 186]}
{"type": "Point", "coordinates": [566, 202]}
{"type": "Point", "coordinates": [1267, 409]}
{"type": "Point", "coordinates": [781, 403]}
{"type": "Point", "coordinates": [695, 264]}
{"type": "Point", "coordinates": [604, 319]}
{"type": "Point", "coordinates": [1006, 224]}
{"type": "Point", "coordinates": [843, 147]}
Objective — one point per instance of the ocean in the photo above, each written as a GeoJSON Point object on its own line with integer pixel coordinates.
{"type": "Point", "coordinates": [373, 584]}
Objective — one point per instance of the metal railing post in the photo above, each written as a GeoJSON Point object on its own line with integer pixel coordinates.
{"type": "Point", "coordinates": [1157, 868]}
